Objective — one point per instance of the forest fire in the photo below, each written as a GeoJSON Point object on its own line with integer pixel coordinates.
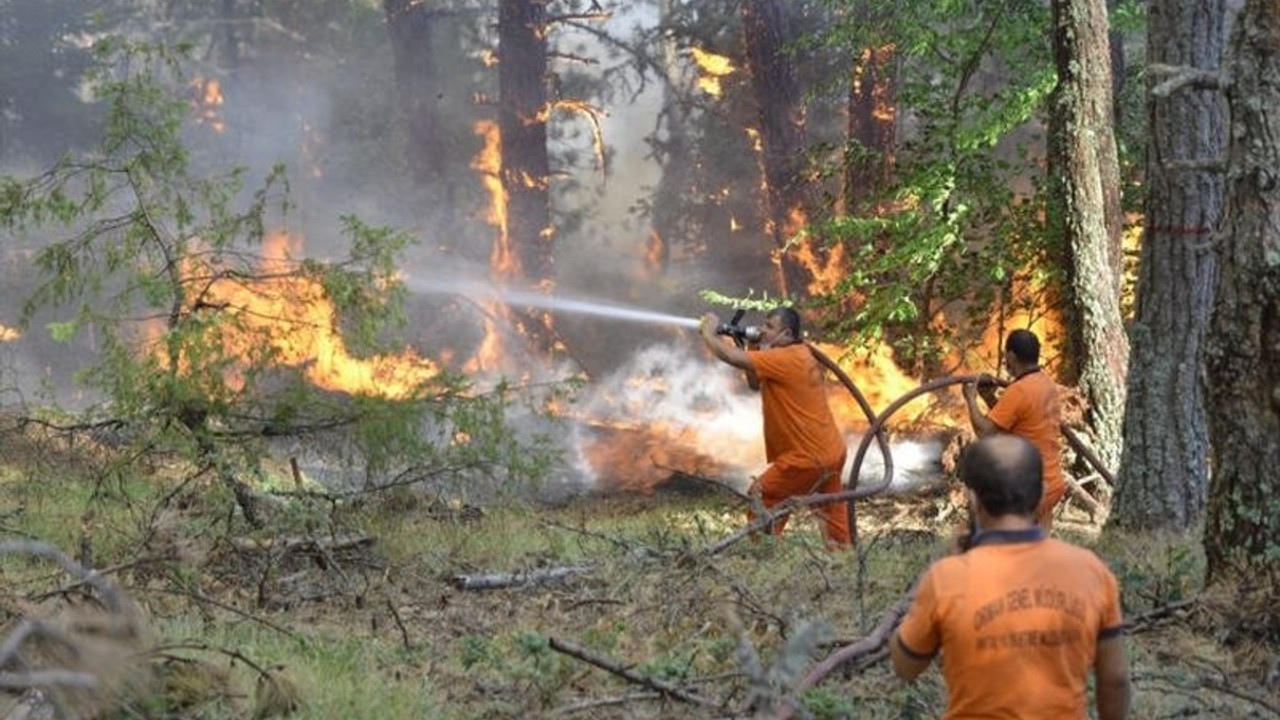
{"type": "Point", "coordinates": [208, 103]}
{"type": "Point", "coordinates": [711, 67]}
{"type": "Point", "coordinates": [504, 265]}
{"type": "Point", "coordinates": [296, 320]}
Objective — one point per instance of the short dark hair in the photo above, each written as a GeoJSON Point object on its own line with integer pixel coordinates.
{"type": "Point", "coordinates": [790, 319]}
{"type": "Point", "coordinates": [1024, 344]}
{"type": "Point", "coordinates": [1005, 472]}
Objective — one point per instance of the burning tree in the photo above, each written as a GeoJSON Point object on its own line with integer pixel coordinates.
{"type": "Point", "coordinates": [211, 344]}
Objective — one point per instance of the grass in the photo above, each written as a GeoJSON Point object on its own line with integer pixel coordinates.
{"type": "Point", "coordinates": [381, 632]}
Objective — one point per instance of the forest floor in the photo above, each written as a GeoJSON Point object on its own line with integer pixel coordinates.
{"type": "Point", "coordinates": [353, 609]}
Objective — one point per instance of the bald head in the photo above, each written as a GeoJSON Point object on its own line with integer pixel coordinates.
{"type": "Point", "coordinates": [1005, 472]}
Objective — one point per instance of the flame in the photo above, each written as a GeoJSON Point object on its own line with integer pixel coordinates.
{"type": "Point", "coordinates": [8, 334]}
{"type": "Point", "coordinates": [502, 260]}
{"type": "Point", "coordinates": [299, 324]}
{"type": "Point", "coordinates": [489, 58]}
{"type": "Point", "coordinates": [504, 264]}
{"type": "Point", "coordinates": [585, 109]}
{"type": "Point", "coordinates": [655, 253]}
{"type": "Point", "coordinates": [880, 381]}
{"type": "Point", "coordinates": [883, 110]}
{"type": "Point", "coordinates": [712, 67]}
{"type": "Point", "coordinates": [1035, 312]}
{"type": "Point", "coordinates": [207, 103]}
{"type": "Point", "coordinates": [826, 274]}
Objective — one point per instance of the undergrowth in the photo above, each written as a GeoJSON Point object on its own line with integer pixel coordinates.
{"type": "Point", "coordinates": [378, 628]}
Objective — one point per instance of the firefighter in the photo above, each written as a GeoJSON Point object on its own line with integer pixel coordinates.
{"type": "Point", "coordinates": [805, 449]}
{"type": "Point", "coordinates": [1028, 408]}
{"type": "Point", "coordinates": [1019, 619]}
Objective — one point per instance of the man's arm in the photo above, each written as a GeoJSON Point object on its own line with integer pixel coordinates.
{"type": "Point", "coordinates": [1111, 671]}
{"type": "Point", "coordinates": [728, 353]}
{"type": "Point", "coordinates": [982, 424]}
{"type": "Point", "coordinates": [906, 664]}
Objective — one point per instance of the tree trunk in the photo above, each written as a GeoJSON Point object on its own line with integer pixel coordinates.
{"type": "Point", "coordinates": [1091, 217]}
{"type": "Point", "coordinates": [1242, 529]}
{"type": "Point", "coordinates": [873, 121]}
{"type": "Point", "coordinates": [410, 26]}
{"type": "Point", "coordinates": [1164, 475]}
{"type": "Point", "coordinates": [522, 118]}
{"type": "Point", "coordinates": [767, 29]}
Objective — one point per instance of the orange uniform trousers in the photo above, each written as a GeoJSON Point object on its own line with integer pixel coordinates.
{"type": "Point", "coordinates": [783, 480]}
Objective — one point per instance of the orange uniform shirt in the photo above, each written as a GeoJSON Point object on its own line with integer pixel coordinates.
{"type": "Point", "coordinates": [799, 429]}
{"type": "Point", "coordinates": [1029, 408]}
{"type": "Point", "coordinates": [1017, 619]}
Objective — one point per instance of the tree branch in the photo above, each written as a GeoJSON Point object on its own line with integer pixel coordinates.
{"type": "Point", "coordinates": [1182, 77]}
{"type": "Point", "coordinates": [662, 687]}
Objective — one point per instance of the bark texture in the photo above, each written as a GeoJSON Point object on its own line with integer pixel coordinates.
{"type": "Point", "coordinates": [410, 27]}
{"type": "Point", "coordinates": [768, 27]}
{"type": "Point", "coordinates": [1091, 212]}
{"type": "Point", "coordinates": [873, 122]}
{"type": "Point", "coordinates": [522, 120]}
{"type": "Point", "coordinates": [1163, 479]}
{"type": "Point", "coordinates": [1242, 528]}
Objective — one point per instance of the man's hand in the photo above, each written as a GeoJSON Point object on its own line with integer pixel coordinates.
{"type": "Point", "coordinates": [708, 326]}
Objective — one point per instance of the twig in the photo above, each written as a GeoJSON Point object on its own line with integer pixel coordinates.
{"type": "Point", "coordinates": [531, 577]}
{"type": "Point", "coordinates": [404, 632]}
{"type": "Point", "coordinates": [202, 598]}
{"type": "Point", "coordinates": [633, 677]}
{"type": "Point", "coordinates": [163, 651]}
{"type": "Point", "coordinates": [605, 702]}
{"type": "Point", "coordinates": [1083, 449]}
{"type": "Point", "coordinates": [104, 571]}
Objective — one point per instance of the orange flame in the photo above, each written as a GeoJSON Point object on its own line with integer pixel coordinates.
{"type": "Point", "coordinates": [504, 264]}
{"type": "Point", "coordinates": [655, 253]}
{"type": "Point", "coordinates": [590, 112]}
{"type": "Point", "coordinates": [298, 323]}
{"type": "Point", "coordinates": [826, 274]}
{"type": "Point", "coordinates": [208, 102]}
{"type": "Point", "coordinates": [8, 334]}
{"type": "Point", "coordinates": [711, 67]}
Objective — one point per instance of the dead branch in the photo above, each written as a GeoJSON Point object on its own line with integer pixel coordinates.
{"type": "Point", "coordinates": [1078, 492]}
{"type": "Point", "coordinates": [847, 654]}
{"type": "Point", "coordinates": [1082, 448]}
{"type": "Point", "coordinates": [493, 581]}
{"type": "Point", "coordinates": [633, 677]}
{"type": "Point", "coordinates": [605, 702]}
{"type": "Point", "coordinates": [787, 507]}
{"type": "Point", "coordinates": [599, 16]}
{"type": "Point", "coordinates": [1148, 619]}
{"type": "Point", "coordinates": [205, 599]}
{"type": "Point", "coordinates": [286, 545]}
{"type": "Point", "coordinates": [1183, 77]}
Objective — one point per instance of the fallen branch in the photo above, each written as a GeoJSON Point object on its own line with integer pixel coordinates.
{"type": "Point", "coordinates": [493, 581]}
{"type": "Point", "coordinates": [633, 677]}
{"type": "Point", "coordinates": [290, 544]}
{"type": "Point", "coordinates": [873, 642]}
{"type": "Point", "coordinates": [1083, 449]}
{"type": "Point", "coordinates": [1078, 492]}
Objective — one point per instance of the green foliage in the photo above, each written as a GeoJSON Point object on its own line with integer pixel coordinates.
{"type": "Point", "coordinates": [948, 226]}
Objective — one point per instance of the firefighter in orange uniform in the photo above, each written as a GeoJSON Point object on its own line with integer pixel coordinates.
{"type": "Point", "coordinates": [1019, 619]}
{"type": "Point", "coordinates": [805, 449]}
{"type": "Point", "coordinates": [1028, 408]}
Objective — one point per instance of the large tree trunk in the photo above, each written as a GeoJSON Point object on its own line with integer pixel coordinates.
{"type": "Point", "coordinates": [768, 28]}
{"type": "Point", "coordinates": [1242, 529]}
{"type": "Point", "coordinates": [522, 119]}
{"type": "Point", "coordinates": [1164, 476]}
{"type": "Point", "coordinates": [410, 26]}
{"type": "Point", "coordinates": [873, 123]}
{"type": "Point", "coordinates": [1091, 216]}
